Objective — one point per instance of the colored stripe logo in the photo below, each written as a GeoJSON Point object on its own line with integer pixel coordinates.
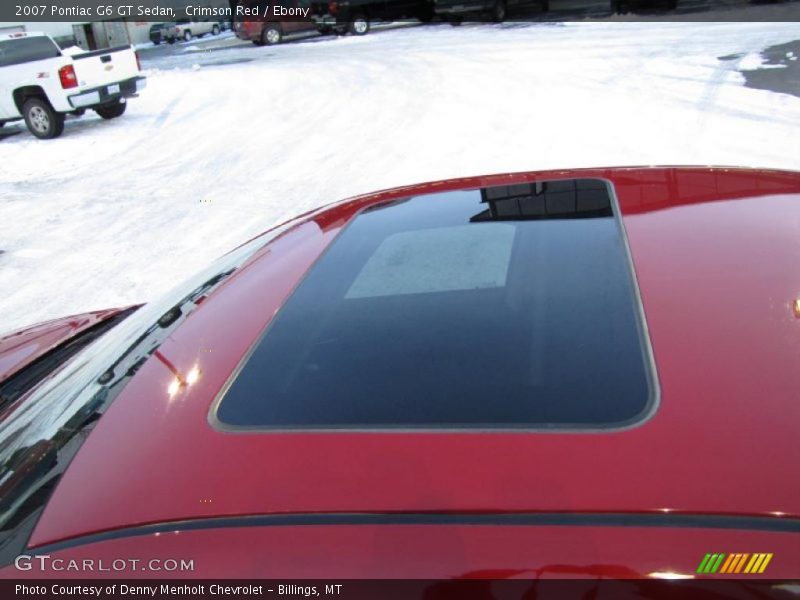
{"type": "Point", "coordinates": [731, 564]}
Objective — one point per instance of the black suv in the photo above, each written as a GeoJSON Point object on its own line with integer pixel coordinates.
{"type": "Point", "coordinates": [355, 15]}
{"type": "Point", "coordinates": [163, 32]}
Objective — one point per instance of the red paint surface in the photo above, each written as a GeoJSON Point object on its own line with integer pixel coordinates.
{"type": "Point", "coordinates": [717, 256]}
{"type": "Point", "coordinates": [20, 348]}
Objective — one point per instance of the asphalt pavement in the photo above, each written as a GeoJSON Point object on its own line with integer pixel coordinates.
{"type": "Point", "coordinates": [780, 72]}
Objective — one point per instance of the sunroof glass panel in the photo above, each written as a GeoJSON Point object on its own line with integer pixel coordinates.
{"type": "Point", "coordinates": [509, 307]}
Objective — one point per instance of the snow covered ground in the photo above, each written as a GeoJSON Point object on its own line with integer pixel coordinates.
{"type": "Point", "coordinates": [224, 144]}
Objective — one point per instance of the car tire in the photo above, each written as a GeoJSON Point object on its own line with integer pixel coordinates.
{"type": "Point", "coordinates": [359, 25]}
{"type": "Point", "coordinates": [156, 42]}
{"type": "Point", "coordinates": [187, 36]}
{"type": "Point", "coordinates": [171, 40]}
{"type": "Point", "coordinates": [215, 30]}
{"type": "Point", "coordinates": [112, 111]}
{"type": "Point", "coordinates": [455, 21]}
{"type": "Point", "coordinates": [42, 120]}
{"type": "Point", "coordinates": [499, 11]}
{"type": "Point", "coordinates": [271, 35]}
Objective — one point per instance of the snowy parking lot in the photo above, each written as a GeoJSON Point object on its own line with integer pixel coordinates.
{"type": "Point", "coordinates": [226, 142]}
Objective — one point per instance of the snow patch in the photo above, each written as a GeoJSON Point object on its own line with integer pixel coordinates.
{"type": "Point", "coordinates": [754, 61]}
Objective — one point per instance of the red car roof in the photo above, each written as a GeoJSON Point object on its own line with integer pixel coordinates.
{"type": "Point", "coordinates": [715, 254]}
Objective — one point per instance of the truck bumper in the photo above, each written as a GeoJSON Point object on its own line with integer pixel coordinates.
{"type": "Point", "coordinates": [107, 94]}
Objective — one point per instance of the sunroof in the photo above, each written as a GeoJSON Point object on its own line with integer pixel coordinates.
{"type": "Point", "coordinates": [509, 307]}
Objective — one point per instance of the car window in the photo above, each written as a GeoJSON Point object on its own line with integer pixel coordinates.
{"type": "Point", "coordinates": [505, 307]}
{"type": "Point", "coordinates": [27, 49]}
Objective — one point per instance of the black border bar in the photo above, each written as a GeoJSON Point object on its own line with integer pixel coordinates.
{"type": "Point", "coordinates": [462, 588]}
{"type": "Point", "coordinates": [158, 11]}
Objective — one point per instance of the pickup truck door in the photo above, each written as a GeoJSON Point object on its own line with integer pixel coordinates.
{"type": "Point", "coordinates": [101, 67]}
{"type": "Point", "coordinates": [7, 107]}
{"type": "Point", "coordinates": [25, 60]}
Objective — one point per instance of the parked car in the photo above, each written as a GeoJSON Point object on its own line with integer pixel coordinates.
{"type": "Point", "coordinates": [497, 10]}
{"type": "Point", "coordinates": [163, 32]}
{"type": "Point", "coordinates": [356, 16]}
{"type": "Point", "coordinates": [522, 375]}
{"type": "Point", "coordinates": [41, 84]}
{"type": "Point", "coordinates": [270, 26]}
{"type": "Point", "coordinates": [186, 29]}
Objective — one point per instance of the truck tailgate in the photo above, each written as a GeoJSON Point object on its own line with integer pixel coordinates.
{"type": "Point", "coordinates": [103, 67]}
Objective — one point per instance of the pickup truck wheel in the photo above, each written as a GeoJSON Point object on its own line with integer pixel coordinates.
{"type": "Point", "coordinates": [271, 35]}
{"type": "Point", "coordinates": [215, 30]}
{"type": "Point", "coordinates": [359, 25]}
{"type": "Point", "coordinates": [42, 121]}
{"type": "Point", "coordinates": [156, 42]}
{"type": "Point", "coordinates": [187, 36]}
{"type": "Point", "coordinates": [171, 40]}
{"type": "Point", "coordinates": [111, 111]}
{"type": "Point", "coordinates": [499, 11]}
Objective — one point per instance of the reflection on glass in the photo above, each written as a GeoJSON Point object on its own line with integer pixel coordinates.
{"type": "Point", "coordinates": [568, 199]}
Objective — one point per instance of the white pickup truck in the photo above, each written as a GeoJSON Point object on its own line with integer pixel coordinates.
{"type": "Point", "coordinates": [42, 84]}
